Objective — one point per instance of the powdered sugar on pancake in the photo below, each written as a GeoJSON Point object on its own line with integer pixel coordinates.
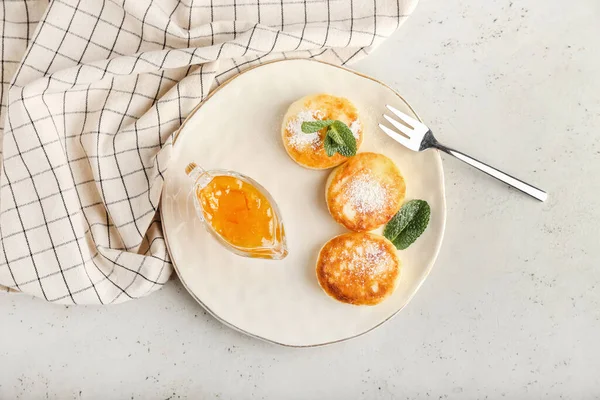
{"type": "Point", "coordinates": [298, 139]}
{"type": "Point", "coordinates": [355, 128]}
{"type": "Point", "coordinates": [366, 194]}
{"type": "Point", "coordinates": [370, 259]}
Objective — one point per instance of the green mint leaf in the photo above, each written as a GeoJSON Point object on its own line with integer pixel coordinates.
{"type": "Point", "coordinates": [335, 136]}
{"type": "Point", "coordinates": [346, 151]}
{"type": "Point", "coordinates": [315, 126]}
{"type": "Point", "coordinates": [343, 136]}
{"type": "Point", "coordinates": [331, 147]}
{"type": "Point", "coordinates": [408, 224]}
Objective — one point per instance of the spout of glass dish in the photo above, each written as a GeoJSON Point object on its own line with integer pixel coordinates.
{"type": "Point", "coordinates": [198, 174]}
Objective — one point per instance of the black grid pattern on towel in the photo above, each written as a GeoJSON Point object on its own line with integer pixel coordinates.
{"type": "Point", "coordinates": [91, 96]}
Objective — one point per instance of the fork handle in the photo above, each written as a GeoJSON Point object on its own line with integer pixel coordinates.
{"type": "Point", "coordinates": [511, 180]}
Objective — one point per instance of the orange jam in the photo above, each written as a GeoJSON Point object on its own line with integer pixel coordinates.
{"type": "Point", "coordinates": [239, 213]}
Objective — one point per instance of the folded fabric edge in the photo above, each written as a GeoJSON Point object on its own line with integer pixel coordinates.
{"type": "Point", "coordinates": [7, 289]}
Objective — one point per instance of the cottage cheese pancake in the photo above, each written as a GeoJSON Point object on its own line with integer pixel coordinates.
{"type": "Point", "coordinates": [307, 148]}
{"type": "Point", "coordinates": [358, 268]}
{"type": "Point", "coordinates": [366, 192]}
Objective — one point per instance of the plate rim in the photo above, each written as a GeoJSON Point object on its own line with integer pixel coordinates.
{"type": "Point", "coordinates": [438, 159]}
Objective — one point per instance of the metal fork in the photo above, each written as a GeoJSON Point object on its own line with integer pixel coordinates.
{"type": "Point", "coordinates": [419, 137]}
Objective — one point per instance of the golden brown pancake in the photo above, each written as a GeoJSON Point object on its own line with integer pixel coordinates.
{"type": "Point", "coordinates": [307, 148]}
{"type": "Point", "coordinates": [366, 192]}
{"type": "Point", "coordinates": [358, 268]}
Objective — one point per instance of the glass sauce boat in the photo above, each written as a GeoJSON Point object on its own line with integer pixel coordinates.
{"type": "Point", "coordinates": [238, 212]}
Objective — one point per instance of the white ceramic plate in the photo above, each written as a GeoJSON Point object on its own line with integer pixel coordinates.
{"type": "Point", "coordinates": [238, 128]}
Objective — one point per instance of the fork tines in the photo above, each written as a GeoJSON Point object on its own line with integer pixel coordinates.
{"type": "Point", "coordinates": [412, 130]}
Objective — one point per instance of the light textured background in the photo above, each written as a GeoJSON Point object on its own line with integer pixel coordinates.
{"type": "Point", "coordinates": [512, 307]}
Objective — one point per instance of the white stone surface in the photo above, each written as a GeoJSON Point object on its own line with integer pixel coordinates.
{"type": "Point", "coordinates": [512, 307]}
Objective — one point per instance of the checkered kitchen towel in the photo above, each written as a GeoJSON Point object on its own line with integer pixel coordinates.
{"type": "Point", "coordinates": [92, 91]}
